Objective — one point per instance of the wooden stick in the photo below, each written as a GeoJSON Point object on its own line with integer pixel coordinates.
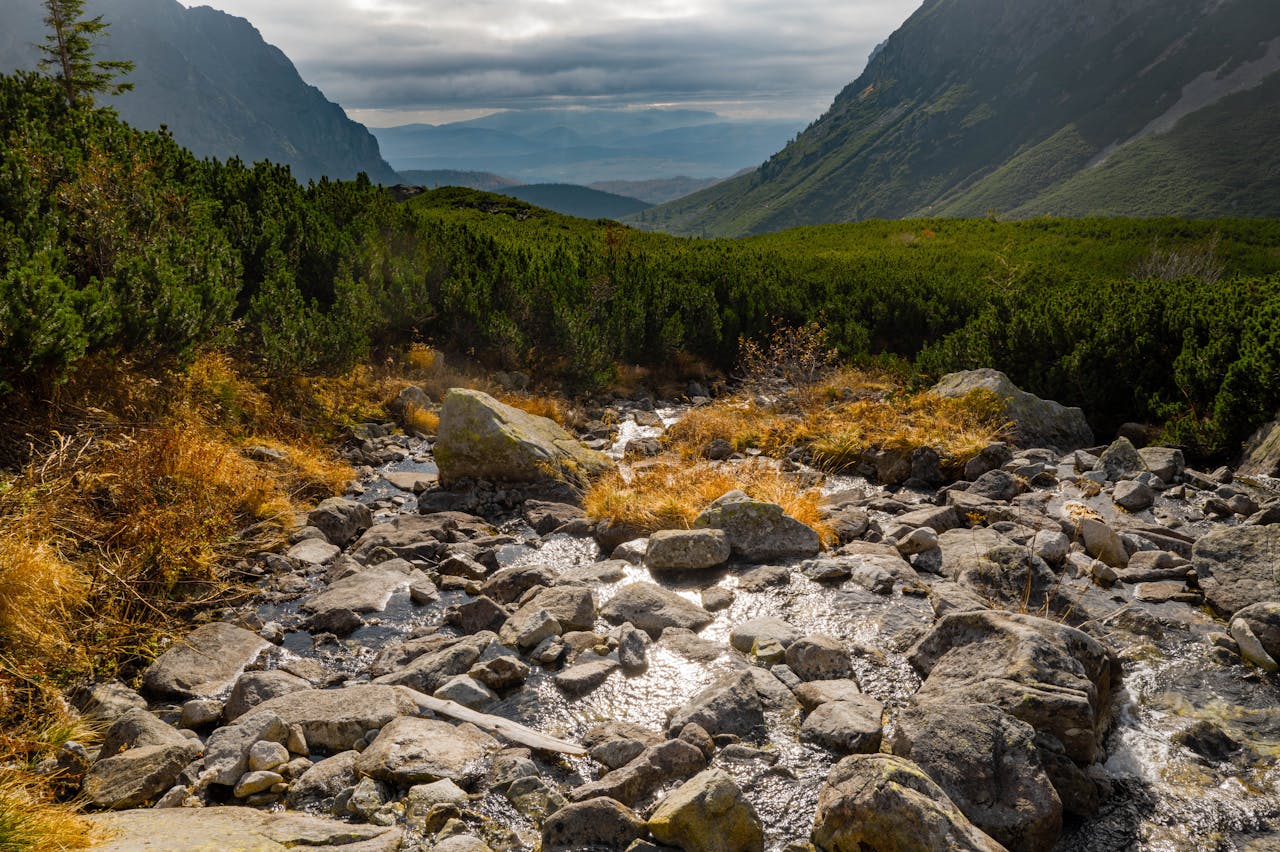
{"type": "Point", "coordinates": [513, 731]}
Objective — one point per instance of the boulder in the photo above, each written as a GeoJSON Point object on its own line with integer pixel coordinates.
{"type": "Point", "coordinates": [819, 657]}
{"type": "Point", "coordinates": [423, 537]}
{"type": "Point", "coordinates": [849, 726]}
{"type": "Point", "coordinates": [409, 751]}
{"type": "Point", "coordinates": [1262, 452]}
{"type": "Point", "coordinates": [1034, 422]}
{"type": "Point", "coordinates": [731, 705]}
{"type": "Point", "coordinates": [481, 438]}
{"type": "Point", "coordinates": [708, 813]}
{"type": "Point", "coordinates": [1119, 459]}
{"type": "Point", "coordinates": [573, 606]}
{"type": "Point", "coordinates": [586, 675]}
{"type": "Point", "coordinates": [324, 780]}
{"type": "Point", "coordinates": [595, 823]}
{"type": "Point", "coordinates": [652, 609]}
{"type": "Point", "coordinates": [1238, 566]}
{"type": "Point", "coordinates": [137, 776]}
{"type": "Point", "coordinates": [1256, 629]}
{"type": "Point", "coordinates": [758, 531]}
{"type": "Point", "coordinates": [429, 671]}
{"type": "Point", "coordinates": [333, 719]}
{"type": "Point", "coordinates": [987, 763]}
{"type": "Point", "coordinates": [654, 768]}
{"type": "Point", "coordinates": [1104, 543]}
{"type": "Point", "coordinates": [819, 692]}
{"type": "Point", "coordinates": [546, 518]}
{"type": "Point", "coordinates": [1165, 462]}
{"type": "Point", "coordinates": [687, 550]}
{"type": "Point", "coordinates": [205, 663]}
{"type": "Point", "coordinates": [368, 590]}
{"type": "Point", "coordinates": [1011, 577]}
{"type": "Point", "coordinates": [1133, 496]}
{"type": "Point", "coordinates": [1055, 678]}
{"type": "Point", "coordinates": [253, 688]}
{"type": "Point", "coordinates": [759, 631]}
{"type": "Point", "coordinates": [883, 803]}
{"type": "Point", "coordinates": [508, 585]}
{"type": "Point", "coordinates": [340, 520]}
{"type": "Point", "coordinates": [241, 829]}
{"type": "Point", "coordinates": [226, 756]}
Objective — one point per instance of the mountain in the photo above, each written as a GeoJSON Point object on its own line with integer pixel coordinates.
{"type": "Point", "coordinates": [656, 191]}
{"type": "Point", "coordinates": [486, 181]}
{"type": "Point", "coordinates": [1032, 107]}
{"type": "Point", "coordinates": [586, 145]}
{"type": "Point", "coordinates": [573, 200]}
{"type": "Point", "coordinates": [212, 79]}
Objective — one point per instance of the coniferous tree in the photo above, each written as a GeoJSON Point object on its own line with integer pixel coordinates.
{"type": "Point", "coordinates": [68, 52]}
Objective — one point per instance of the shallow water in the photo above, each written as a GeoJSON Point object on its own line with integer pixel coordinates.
{"type": "Point", "coordinates": [1165, 796]}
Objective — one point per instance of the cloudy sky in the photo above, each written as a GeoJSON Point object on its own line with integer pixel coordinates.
{"type": "Point", "coordinates": [393, 61]}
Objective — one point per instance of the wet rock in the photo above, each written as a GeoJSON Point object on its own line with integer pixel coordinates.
{"type": "Point", "coordinates": [848, 726]}
{"type": "Point", "coordinates": [819, 657]}
{"type": "Point", "coordinates": [324, 780]}
{"type": "Point", "coordinates": [547, 517]}
{"type": "Point", "coordinates": [731, 705]}
{"type": "Point", "coordinates": [689, 645]}
{"type": "Point", "coordinates": [333, 719]}
{"type": "Point", "coordinates": [762, 631]}
{"type": "Point", "coordinates": [987, 763]}
{"type": "Point", "coordinates": [827, 570]}
{"type": "Point", "coordinates": [708, 813]}
{"type": "Point", "coordinates": [653, 608]}
{"type": "Point", "coordinates": [687, 550]}
{"type": "Point", "coordinates": [959, 544]}
{"type": "Point", "coordinates": [642, 777]}
{"type": "Point", "coordinates": [1102, 542]}
{"type": "Point", "coordinates": [573, 606]}
{"type": "Point", "coordinates": [419, 537]}
{"type": "Point", "coordinates": [528, 628]}
{"type": "Point", "coordinates": [818, 692]}
{"type": "Point", "coordinates": [758, 531]}
{"type": "Point", "coordinates": [205, 663]}
{"type": "Point", "coordinates": [616, 753]}
{"type": "Point", "coordinates": [367, 590]}
{"type": "Point", "coordinates": [585, 676]}
{"type": "Point", "coordinates": [716, 598]}
{"type": "Point", "coordinates": [632, 645]}
{"type": "Point", "coordinates": [428, 672]}
{"type": "Point", "coordinates": [1056, 678]}
{"type": "Point", "coordinates": [1119, 459]}
{"type": "Point", "coordinates": [462, 565]}
{"type": "Point", "coordinates": [1035, 422]}
{"type": "Point", "coordinates": [1133, 496]}
{"type": "Point", "coordinates": [477, 614]}
{"type": "Point", "coordinates": [481, 438]}
{"type": "Point", "coordinates": [1237, 566]}
{"type": "Point", "coordinates": [1207, 740]}
{"type": "Point", "coordinates": [339, 621]}
{"type": "Point", "coordinates": [340, 520]}
{"type": "Point", "coordinates": [253, 688]}
{"type": "Point", "coordinates": [882, 803]}
{"type": "Point", "coordinates": [1263, 621]}
{"type": "Point", "coordinates": [239, 828]}
{"type": "Point", "coordinates": [412, 751]}
{"type": "Point", "coordinates": [1011, 577]}
{"type": "Point", "coordinates": [466, 691]}
{"type": "Point", "coordinates": [501, 671]}
{"type": "Point", "coordinates": [764, 578]}
{"type": "Point", "coordinates": [595, 823]}
{"type": "Point", "coordinates": [508, 585]}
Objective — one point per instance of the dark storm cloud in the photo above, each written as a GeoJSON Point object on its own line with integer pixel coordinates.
{"type": "Point", "coordinates": [403, 56]}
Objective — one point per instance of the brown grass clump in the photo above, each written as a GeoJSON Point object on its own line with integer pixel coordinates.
{"type": "Point", "coordinates": [541, 405]}
{"type": "Point", "coordinates": [31, 825]}
{"type": "Point", "coordinates": [670, 494]}
{"type": "Point", "coordinates": [740, 421]}
{"type": "Point", "coordinates": [420, 420]}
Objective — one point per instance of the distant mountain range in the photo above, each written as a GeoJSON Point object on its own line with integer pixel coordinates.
{"type": "Point", "coordinates": [587, 145]}
{"type": "Point", "coordinates": [434, 179]}
{"type": "Point", "coordinates": [210, 77]}
{"type": "Point", "coordinates": [1030, 107]}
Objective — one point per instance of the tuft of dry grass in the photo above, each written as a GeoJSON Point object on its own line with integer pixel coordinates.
{"type": "Point", "coordinates": [28, 824]}
{"type": "Point", "coordinates": [741, 421]}
{"type": "Point", "coordinates": [669, 494]}
{"type": "Point", "coordinates": [420, 420]}
{"type": "Point", "coordinates": [543, 405]}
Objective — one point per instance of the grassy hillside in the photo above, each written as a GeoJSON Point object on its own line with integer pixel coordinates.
{"type": "Point", "coordinates": [982, 105]}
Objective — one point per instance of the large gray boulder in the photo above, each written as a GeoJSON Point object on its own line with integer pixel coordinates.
{"type": "Point", "coordinates": [1262, 452]}
{"type": "Point", "coordinates": [481, 438]}
{"type": "Point", "coordinates": [412, 751]}
{"type": "Point", "coordinates": [1055, 678]}
{"type": "Point", "coordinates": [883, 803]}
{"type": "Point", "coordinates": [987, 763]}
{"type": "Point", "coordinates": [1238, 566]}
{"type": "Point", "coordinates": [731, 705]}
{"type": "Point", "coordinates": [595, 823]}
{"type": "Point", "coordinates": [1035, 422]}
{"type": "Point", "coordinates": [340, 519]}
{"type": "Point", "coordinates": [205, 663]}
{"type": "Point", "coordinates": [686, 550]}
{"type": "Point", "coordinates": [758, 531]}
{"type": "Point", "coordinates": [334, 719]}
{"type": "Point", "coordinates": [708, 812]}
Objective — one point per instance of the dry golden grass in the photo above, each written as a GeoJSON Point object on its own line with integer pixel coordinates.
{"type": "Point", "coordinates": [420, 420]}
{"type": "Point", "coordinates": [739, 420]}
{"type": "Point", "coordinates": [28, 824]}
{"type": "Point", "coordinates": [542, 405]}
{"type": "Point", "coordinates": [670, 493]}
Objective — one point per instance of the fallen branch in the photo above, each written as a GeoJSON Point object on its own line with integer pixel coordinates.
{"type": "Point", "coordinates": [513, 731]}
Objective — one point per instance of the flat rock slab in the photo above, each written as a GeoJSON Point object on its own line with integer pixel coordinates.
{"type": "Point", "coordinates": [412, 480]}
{"type": "Point", "coordinates": [653, 608]}
{"type": "Point", "coordinates": [365, 591]}
{"type": "Point", "coordinates": [205, 663]}
{"type": "Point", "coordinates": [313, 551]}
{"type": "Point", "coordinates": [333, 719]}
{"type": "Point", "coordinates": [412, 751]}
{"type": "Point", "coordinates": [241, 829]}
{"type": "Point", "coordinates": [1238, 566]}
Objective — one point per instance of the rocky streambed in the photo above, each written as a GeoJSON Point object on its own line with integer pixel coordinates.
{"type": "Point", "coordinates": [1063, 650]}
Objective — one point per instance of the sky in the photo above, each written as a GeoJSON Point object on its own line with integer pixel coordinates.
{"type": "Point", "coordinates": [390, 62]}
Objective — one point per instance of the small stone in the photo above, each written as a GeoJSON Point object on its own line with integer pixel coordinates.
{"type": "Point", "coordinates": [266, 756]}
{"type": "Point", "coordinates": [256, 782]}
{"type": "Point", "coordinates": [466, 691]}
{"type": "Point", "coordinates": [632, 644]}
{"type": "Point", "coordinates": [200, 713]}
{"type": "Point", "coordinates": [1133, 496]}
{"type": "Point", "coordinates": [586, 676]}
{"type": "Point", "coordinates": [716, 598]}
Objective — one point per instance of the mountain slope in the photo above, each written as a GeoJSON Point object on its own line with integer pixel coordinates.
{"type": "Point", "coordinates": [221, 89]}
{"type": "Point", "coordinates": [572, 200]}
{"type": "Point", "coordinates": [1009, 106]}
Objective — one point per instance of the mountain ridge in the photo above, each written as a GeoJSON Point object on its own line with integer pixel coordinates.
{"type": "Point", "coordinates": [1039, 89]}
